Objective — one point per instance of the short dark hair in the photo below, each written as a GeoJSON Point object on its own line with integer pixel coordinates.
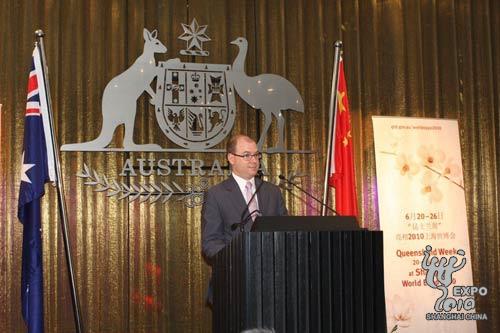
{"type": "Point", "coordinates": [233, 142]}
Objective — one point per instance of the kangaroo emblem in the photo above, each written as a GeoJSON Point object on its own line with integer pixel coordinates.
{"type": "Point", "coordinates": [119, 100]}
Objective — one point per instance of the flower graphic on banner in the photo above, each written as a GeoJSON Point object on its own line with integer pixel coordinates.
{"type": "Point", "coordinates": [399, 143]}
{"type": "Point", "coordinates": [452, 170]}
{"type": "Point", "coordinates": [431, 164]}
{"type": "Point", "coordinates": [399, 313]}
{"type": "Point", "coordinates": [406, 165]}
{"type": "Point", "coordinates": [431, 157]}
{"type": "Point", "coordinates": [430, 187]}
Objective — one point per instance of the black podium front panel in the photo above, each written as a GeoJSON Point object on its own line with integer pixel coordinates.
{"type": "Point", "coordinates": [297, 281]}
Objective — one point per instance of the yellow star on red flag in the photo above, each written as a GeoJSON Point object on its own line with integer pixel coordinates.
{"type": "Point", "coordinates": [340, 99]}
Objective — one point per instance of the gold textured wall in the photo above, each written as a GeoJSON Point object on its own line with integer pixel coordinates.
{"type": "Point", "coordinates": [138, 266]}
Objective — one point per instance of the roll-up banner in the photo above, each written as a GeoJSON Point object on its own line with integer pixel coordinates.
{"type": "Point", "coordinates": [421, 199]}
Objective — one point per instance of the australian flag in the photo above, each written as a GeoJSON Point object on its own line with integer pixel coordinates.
{"type": "Point", "coordinates": [36, 170]}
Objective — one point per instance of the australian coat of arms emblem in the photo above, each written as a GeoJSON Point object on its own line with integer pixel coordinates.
{"type": "Point", "coordinates": [197, 108]}
{"type": "Point", "coordinates": [194, 102]}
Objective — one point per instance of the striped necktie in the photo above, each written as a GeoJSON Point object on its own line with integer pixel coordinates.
{"type": "Point", "coordinates": [252, 206]}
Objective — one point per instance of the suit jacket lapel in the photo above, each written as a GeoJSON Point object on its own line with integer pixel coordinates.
{"type": "Point", "coordinates": [235, 195]}
{"type": "Point", "coordinates": [262, 196]}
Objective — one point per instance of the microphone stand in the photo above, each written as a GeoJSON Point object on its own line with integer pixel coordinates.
{"type": "Point", "coordinates": [308, 194]}
{"type": "Point", "coordinates": [244, 221]}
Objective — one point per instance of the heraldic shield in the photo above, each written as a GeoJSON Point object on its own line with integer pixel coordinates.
{"type": "Point", "coordinates": [196, 109]}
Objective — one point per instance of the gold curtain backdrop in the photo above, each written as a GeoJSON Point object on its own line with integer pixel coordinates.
{"type": "Point", "coordinates": [138, 266]}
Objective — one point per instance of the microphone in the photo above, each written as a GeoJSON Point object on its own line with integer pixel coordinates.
{"type": "Point", "coordinates": [307, 193]}
{"type": "Point", "coordinates": [244, 219]}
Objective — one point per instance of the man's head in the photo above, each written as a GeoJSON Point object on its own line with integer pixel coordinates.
{"type": "Point", "coordinates": [243, 156]}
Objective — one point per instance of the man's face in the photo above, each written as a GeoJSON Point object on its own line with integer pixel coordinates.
{"type": "Point", "coordinates": [246, 169]}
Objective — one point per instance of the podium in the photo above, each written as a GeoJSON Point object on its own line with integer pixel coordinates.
{"type": "Point", "coordinates": [290, 280]}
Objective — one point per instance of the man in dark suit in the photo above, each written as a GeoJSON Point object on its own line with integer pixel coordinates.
{"type": "Point", "coordinates": [229, 202]}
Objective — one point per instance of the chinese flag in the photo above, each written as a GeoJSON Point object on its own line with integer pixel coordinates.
{"type": "Point", "coordinates": [342, 175]}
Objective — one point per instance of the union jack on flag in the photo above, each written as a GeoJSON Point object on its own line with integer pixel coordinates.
{"type": "Point", "coordinates": [37, 169]}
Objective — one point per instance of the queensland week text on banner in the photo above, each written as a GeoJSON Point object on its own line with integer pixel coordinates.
{"type": "Point", "coordinates": [423, 216]}
{"type": "Point", "coordinates": [37, 169]}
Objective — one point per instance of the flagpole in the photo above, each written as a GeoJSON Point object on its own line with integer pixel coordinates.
{"type": "Point", "coordinates": [60, 189]}
{"type": "Point", "coordinates": [331, 122]}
